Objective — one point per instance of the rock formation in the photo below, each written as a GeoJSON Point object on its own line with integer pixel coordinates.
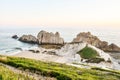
{"type": "Point", "coordinates": [49, 38]}
{"type": "Point", "coordinates": [95, 41]}
{"type": "Point", "coordinates": [70, 54]}
{"type": "Point", "coordinates": [14, 36]}
{"type": "Point", "coordinates": [28, 39]}
{"type": "Point", "coordinates": [113, 48]}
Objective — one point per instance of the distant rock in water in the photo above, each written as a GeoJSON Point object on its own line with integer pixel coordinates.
{"type": "Point", "coordinates": [95, 41]}
{"type": "Point", "coordinates": [14, 36]}
{"type": "Point", "coordinates": [28, 39]}
{"type": "Point", "coordinates": [49, 38]}
{"type": "Point", "coordinates": [17, 48]}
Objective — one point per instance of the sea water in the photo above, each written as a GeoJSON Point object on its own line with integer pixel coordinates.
{"type": "Point", "coordinates": [9, 45]}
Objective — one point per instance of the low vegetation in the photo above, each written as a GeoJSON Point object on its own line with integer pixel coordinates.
{"type": "Point", "coordinates": [88, 53]}
{"type": "Point", "coordinates": [60, 71]}
{"type": "Point", "coordinates": [91, 55]}
{"type": "Point", "coordinates": [6, 74]}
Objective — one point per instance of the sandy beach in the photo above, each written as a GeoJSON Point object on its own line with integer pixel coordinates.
{"type": "Point", "coordinates": [41, 56]}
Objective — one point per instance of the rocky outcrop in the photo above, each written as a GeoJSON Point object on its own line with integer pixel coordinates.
{"type": "Point", "coordinates": [49, 38]}
{"type": "Point", "coordinates": [28, 39]}
{"type": "Point", "coordinates": [95, 41]}
{"type": "Point", "coordinates": [14, 36]}
{"type": "Point", "coordinates": [113, 48]}
{"type": "Point", "coordinates": [70, 52]}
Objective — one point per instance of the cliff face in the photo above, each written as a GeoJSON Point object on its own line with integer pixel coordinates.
{"type": "Point", "coordinates": [95, 41]}
{"type": "Point", "coordinates": [49, 38]}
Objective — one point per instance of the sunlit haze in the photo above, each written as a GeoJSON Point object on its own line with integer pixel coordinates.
{"type": "Point", "coordinates": [96, 13]}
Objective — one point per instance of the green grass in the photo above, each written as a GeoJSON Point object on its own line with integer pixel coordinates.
{"type": "Point", "coordinates": [88, 53]}
{"type": "Point", "coordinates": [91, 55]}
{"type": "Point", "coordinates": [60, 71]}
{"type": "Point", "coordinates": [6, 74]}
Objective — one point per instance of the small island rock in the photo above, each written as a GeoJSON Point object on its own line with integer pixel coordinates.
{"type": "Point", "coordinates": [14, 36]}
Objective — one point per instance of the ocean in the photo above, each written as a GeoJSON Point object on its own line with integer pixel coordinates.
{"type": "Point", "coordinates": [10, 46]}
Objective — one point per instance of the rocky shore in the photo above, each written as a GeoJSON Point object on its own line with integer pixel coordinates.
{"type": "Point", "coordinates": [68, 55]}
{"type": "Point", "coordinates": [53, 48]}
{"type": "Point", "coordinates": [54, 39]}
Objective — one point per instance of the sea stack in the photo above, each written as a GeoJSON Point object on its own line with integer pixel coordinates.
{"type": "Point", "coordinates": [49, 38]}
{"type": "Point", "coordinates": [95, 41]}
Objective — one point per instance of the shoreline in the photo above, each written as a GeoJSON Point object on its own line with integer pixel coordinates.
{"type": "Point", "coordinates": [41, 56]}
{"type": "Point", "coordinates": [65, 55]}
{"type": "Point", "coordinates": [49, 58]}
{"type": "Point", "coordinates": [57, 59]}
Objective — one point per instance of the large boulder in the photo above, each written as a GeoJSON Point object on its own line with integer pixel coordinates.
{"type": "Point", "coordinates": [28, 39]}
{"type": "Point", "coordinates": [95, 41]}
{"type": "Point", "coordinates": [49, 38]}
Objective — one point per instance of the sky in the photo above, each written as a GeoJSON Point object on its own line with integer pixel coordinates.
{"type": "Point", "coordinates": [98, 13]}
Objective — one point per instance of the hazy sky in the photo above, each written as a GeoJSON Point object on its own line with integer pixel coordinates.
{"type": "Point", "coordinates": [60, 12]}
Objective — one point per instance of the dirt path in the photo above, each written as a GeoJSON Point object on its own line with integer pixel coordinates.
{"type": "Point", "coordinates": [35, 76]}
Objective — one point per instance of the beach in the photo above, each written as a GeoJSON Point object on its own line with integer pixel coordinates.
{"type": "Point", "coordinates": [41, 56]}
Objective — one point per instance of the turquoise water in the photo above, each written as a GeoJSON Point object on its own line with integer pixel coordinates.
{"type": "Point", "coordinates": [8, 45]}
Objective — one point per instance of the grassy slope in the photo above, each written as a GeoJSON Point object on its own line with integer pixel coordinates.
{"type": "Point", "coordinates": [61, 71]}
{"type": "Point", "coordinates": [6, 74]}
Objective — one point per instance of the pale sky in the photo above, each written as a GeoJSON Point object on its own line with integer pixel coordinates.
{"type": "Point", "coordinates": [97, 13]}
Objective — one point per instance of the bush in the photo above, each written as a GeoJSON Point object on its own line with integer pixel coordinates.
{"type": "Point", "coordinates": [88, 53]}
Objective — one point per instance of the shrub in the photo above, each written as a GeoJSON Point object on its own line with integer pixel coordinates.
{"type": "Point", "coordinates": [88, 53]}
